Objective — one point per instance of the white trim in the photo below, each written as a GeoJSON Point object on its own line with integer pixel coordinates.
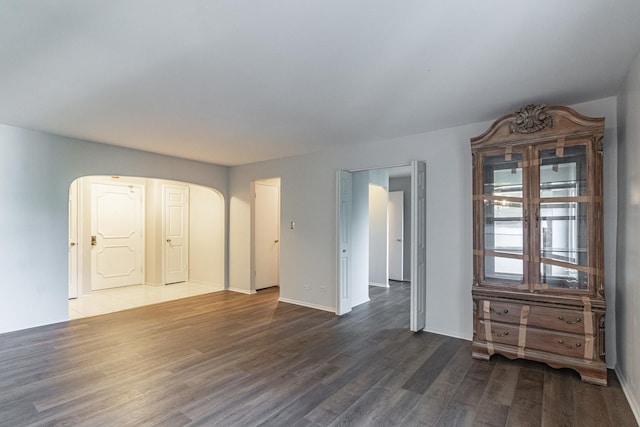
{"type": "Point", "coordinates": [380, 285]}
{"type": "Point", "coordinates": [307, 304]}
{"type": "Point", "coordinates": [242, 291]}
{"type": "Point", "coordinates": [363, 302]}
{"type": "Point", "coordinates": [633, 403]}
{"type": "Point", "coordinates": [446, 333]}
{"type": "Point", "coordinates": [399, 165]}
{"type": "Point", "coordinates": [152, 284]}
{"type": "Point", "coordinates": [213, 286]}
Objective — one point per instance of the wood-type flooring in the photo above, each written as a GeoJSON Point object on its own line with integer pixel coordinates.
{"type": "Point", "coordinates": [228, 359]}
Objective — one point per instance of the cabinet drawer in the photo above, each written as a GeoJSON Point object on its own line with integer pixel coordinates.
{"type": "Point", "coordinates": [557, 319]}
{"type": "Point", "coordinates": [555, 342]}
{"type": "Point", "coordinates": [505, 312]}
{"type": "Point", "coordinates": [500, 333]}
{"type": "Point", "coordinates": [566, 320]}
{"type": "Point", "coordinates": [565, 344]}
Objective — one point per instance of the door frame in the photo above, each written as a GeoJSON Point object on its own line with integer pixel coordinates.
{"type": "Point", "coordinates": [275, 181]}
{"type": "Point", "coordinates": [418, 237]}
{"type": "Point", "coordinates": [74, 240]}
{"type": "Point", "coordinates": [418, 315]}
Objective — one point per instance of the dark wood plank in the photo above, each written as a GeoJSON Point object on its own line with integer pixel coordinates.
{"type": "Point", "coordinates": [591, 409]}
{"type": "Point", "coordinates": [432, 367]}
{"type": "Point", "coordinates": [557, 398]}
{"type": "Point", "coordinates": [617, 404]}
{"type": "Point", "coordinates": [526, 408]}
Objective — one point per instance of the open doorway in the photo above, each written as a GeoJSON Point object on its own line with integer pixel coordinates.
{"type": "Point", "coordinates": [266, 234]}
{"type": "Point", "coordinates": [131, 236]}
{"type": "Point", "coordinates": [364, 236]}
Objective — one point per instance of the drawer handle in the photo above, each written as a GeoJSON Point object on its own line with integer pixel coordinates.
{"type": "Point", "coordinates": [500, 334]}
{"type": "Point", "coordinates": [570, 322]}
{"type": "Point", "coordinates": [499, 313]}
{"type": "Point", "coordinates": [576, 345]}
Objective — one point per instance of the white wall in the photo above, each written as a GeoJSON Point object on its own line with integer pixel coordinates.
{"type": "Point", "coordinates": [628, 260]}
{"type": "Point", "coordinates": [36, 170]}
{"type": "Point", "coordinates": [404, 184]}
{"type": "Point", "coordinates": [308, 197]}
{"type": "Point", "coordinates": [378, 235]}
{"type": "Point", "coordinates": [206, 236]}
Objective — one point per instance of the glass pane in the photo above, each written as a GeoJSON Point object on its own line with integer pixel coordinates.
{"type": "Point", "coordinates": [503, 270]}
{"type": "Point", "coordinates": [564, 176]}
{"type": "Point", "coordinates": [501, 177]}
{"type": "Point", "coordinates": [563, 278]}
{"type": "Point", "coordinates": [563, 232]}
{"type": "Point", "coordinates": [503, 226]}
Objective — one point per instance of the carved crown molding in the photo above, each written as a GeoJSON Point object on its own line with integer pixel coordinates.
{"type": "Point", "coordinates": [531, 119]}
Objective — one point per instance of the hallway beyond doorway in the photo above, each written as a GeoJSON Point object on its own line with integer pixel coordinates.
{"type": "Point", "coordinates": [126, 297]}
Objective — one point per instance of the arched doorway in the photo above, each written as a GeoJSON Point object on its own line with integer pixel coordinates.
{"type": "Point", "coordinates": [127, 236]}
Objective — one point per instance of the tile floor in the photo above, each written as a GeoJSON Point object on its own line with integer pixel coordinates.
{"type": "Point", "coordinates": [117, 299]}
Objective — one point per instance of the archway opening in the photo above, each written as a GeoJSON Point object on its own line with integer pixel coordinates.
{"type": "Point", "coordinates": [137, 241]}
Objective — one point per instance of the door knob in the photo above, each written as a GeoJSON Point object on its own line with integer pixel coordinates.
{"type": "Point", "coordinates": [94, 241]}
{"type": "Point", "coordinates": [276, 241]}
{"type": "Point", "coordinates": [168, 240]}
{"type": "Point", "coordinates": [72, 243]}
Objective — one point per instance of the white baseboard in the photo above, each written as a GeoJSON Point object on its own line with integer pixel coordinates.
{"type": "Point", "coordinates": [355, 304]}
{"type": "Point", "coordinates": [211, 285]}
{"type": "Point", "coordinates": [633, 402]}
{"type": "Point", "coordinates": [307, 304]}
{"type": "Point", "coordinates": [380, 285]}
{"type": "Point", "coordinates": [446, 333]}
{"type": "Point", "coordinates": [242, 291]}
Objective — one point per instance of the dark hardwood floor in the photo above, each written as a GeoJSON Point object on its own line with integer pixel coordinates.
{"type": "Point", "coordinates": [228, 359]}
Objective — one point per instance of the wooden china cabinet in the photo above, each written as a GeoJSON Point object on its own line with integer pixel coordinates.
{"type": "Point", "coordinates": [538, 283]}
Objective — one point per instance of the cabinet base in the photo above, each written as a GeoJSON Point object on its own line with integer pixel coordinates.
{"type": "Point", "coordinates": [594, 372]}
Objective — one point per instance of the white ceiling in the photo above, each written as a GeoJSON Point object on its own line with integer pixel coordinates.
{"type": "Point", "coordinates": [237, 81]}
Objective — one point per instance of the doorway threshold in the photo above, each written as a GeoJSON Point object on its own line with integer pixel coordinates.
{"type": "Point", "coordinates": [126, 297]}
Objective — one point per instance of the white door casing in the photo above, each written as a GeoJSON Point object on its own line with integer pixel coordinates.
{"type": "Point", "coordinates": [396, 233]}
{"type": "Point", "coordinates": [344, 192]}
{"type": "Point", "coordinates": [175, 226]}
{"type": "Point", "coordinates": [267, 235]}
{"type": "Point", "coordinates": [73, 239]}
{"type": "Point", "coordinates": [418, 246]}
{"type": "Point", "coordinates": [116, 235]}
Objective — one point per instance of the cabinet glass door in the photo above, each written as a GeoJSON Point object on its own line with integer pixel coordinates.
{"type": "Point", "coordinates": [562, 218]}
{"type": "Point", "coordinates": [503, 219]}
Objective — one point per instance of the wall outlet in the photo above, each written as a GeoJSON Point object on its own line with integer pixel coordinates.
{"type": "Point", "coordinates": [323, 289]}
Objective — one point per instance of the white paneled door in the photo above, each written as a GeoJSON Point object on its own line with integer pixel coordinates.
{"type": "Point", "coordinates": [345, 196]}
{"type": "Point", "coordinates": [267, 235]}
{"type": "Point", "coordinates": [176, 233]}
{"type": "Point", "coordinates": [116, 235]}
{"type": "Point", "coordinates": [396, 233]}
